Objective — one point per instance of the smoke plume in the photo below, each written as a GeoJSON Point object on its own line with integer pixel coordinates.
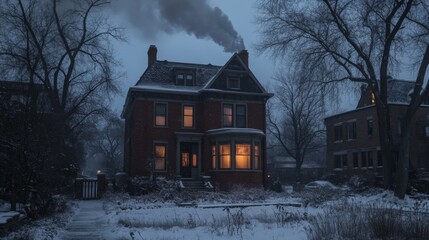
{"type": "Point", "coordinates": [195, 17]}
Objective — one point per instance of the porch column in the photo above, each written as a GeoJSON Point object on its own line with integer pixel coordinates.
{"type": "Point", "coordinates": [178, 157]}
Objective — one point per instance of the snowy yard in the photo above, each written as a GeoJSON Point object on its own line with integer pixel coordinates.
{"type": "Point", "coordinates": [245, 214]}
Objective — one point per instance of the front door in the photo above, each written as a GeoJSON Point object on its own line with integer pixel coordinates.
{"type": "Point", "coordinates": [188, 159]}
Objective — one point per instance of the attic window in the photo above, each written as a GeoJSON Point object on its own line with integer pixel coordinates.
{"type": "Point", "coordinates": [372, 98]}
{"type": "Point", "coordinates": [233, 83]}
{"type": "Point", "coordinates": [185, 79]}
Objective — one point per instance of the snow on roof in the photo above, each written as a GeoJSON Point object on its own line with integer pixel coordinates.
{"type": "Point", "coordinates": [235, 130]}
{"type": "Point", "coordinates": [161, 74]}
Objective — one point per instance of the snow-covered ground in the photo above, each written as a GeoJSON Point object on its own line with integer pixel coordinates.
{"type": "Point", "coordinates": [242, 214]}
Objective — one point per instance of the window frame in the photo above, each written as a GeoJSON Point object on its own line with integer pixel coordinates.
{"type": "Point", "coordinates": [338, 135]}
{"type": "Point", "coordinates": [249, 156]}
{"type": "Point", "coordinates": [351, 128]}
{"type": "Point", "coordinates": [221, 155]}
{"type": "Point", "coordinates": [184, 115]}
{"type": "Point", "coordinates": [256, 157]}
{"type": "Point", "coordinates": [234, 116]}
{"type": "Point", "coordinates": [370, 126]}
{"type": "Point", "coordinates": [155, 157]}
{"type": "Point", "coordinates": [156, 114]}
{"type": "Point", "coordinates": [230, 85]}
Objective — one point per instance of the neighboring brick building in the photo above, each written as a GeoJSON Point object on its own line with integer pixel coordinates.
{"type": "Point", "coordinates": [353, 145]}
{"type": "Point", "coordinates": [194, 120]}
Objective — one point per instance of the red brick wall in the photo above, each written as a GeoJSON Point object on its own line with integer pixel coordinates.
{"type": "Point", "coordinates": [365, 142]}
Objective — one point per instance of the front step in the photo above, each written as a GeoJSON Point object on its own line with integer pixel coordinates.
{"type": "Point", "coordinates": [195, 185]}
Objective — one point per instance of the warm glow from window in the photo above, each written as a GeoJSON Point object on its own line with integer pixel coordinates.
{"type": "Point", "coordinates": [242, 155]}
{"type": "Point", "coordinates": [227, 115]}
{"type": "Point", "coordinates": [160, 114]}
{"type": "Point", "coordinates": [257, 157]}
{"type": "Point", "coordinates": [372, 98]}
{"type": "Point", "coordinates": [225, 155]}
{"type": "Point", "coordinates": [188, 116]}
{"type": "Point", "coordinates": [214, 156]}
{"type": "Point", "coordinates": [159, 160]}
{"type": "Point", "coordinates": [185, 159]}
{"type": "Point", "coordinates": [194, 160]}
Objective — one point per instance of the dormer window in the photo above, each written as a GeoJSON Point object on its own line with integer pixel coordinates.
{"type": "Point", "coordinates": [185, 77]}
{"type": "Point", "coordinates": [233, 83]}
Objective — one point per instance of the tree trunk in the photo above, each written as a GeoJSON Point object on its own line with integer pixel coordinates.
{"type": "Point", "coordinates": [404, 160]}
{"type": "Point", "coordinates": [385, 136]}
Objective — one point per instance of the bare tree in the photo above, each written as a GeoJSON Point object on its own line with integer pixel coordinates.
{"type": "Point", "coordinates": [360, 41]}
{"type": "Point", "coordinates": [295, 117]}
{"type": "Point", "coordinates": [66, 47]}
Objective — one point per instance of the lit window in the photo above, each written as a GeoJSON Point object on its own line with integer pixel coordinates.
{"type": "Point", "coordinates": [372, 98]}
{"type": "Point", "coordinates": [188, 116]}
{"type": "Point", "coordinates": [240, 116]}
{"type": "Point", "coordinates": [185, 159]}
{"type": "Point", "coordinates": [227, 115]}
{"type": "Point", "coordinates": [160, 114]}
{"type": "Point", "coordinates": [214, 156]}
{"type": "Point", "coordinates": [338, 133]}
{"type": "Point", "coordinates": [194, 160]}
{"type": "Point", "coordinates": [225, 155]}
{"type": "Point", "coordinates": [242, 156]}
{"type": "Point", "coordinates": [351, 130]}
{"type": "Point", "coordinates": [159, 159]}
{"type": "Point", "coordinates": [233, 83]}
{"type": "Point", "coordinates": [257, 157]}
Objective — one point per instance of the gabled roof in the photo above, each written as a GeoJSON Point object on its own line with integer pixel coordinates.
{"type": "Point", "coordinates": [159, 77]}
{"type": "Point", "coordinates": [398, 91]}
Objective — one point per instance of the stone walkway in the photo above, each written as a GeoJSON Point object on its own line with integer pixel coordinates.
{"type": "Point", "coordinates": [87, 223]}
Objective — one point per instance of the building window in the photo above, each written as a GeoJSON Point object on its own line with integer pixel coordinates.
{"type": "Point", "coordinates": [363, 160]}
{"type": "Point", "coordinates": [340, 161]}
{"type": "Point", "coordinates": [160, 156]}
{"type": "Point", "coordinates": [234, 115]}
{"type": "Point", "coordinates": [233, 83]}
{"type": "Point", "coordinates": [338, 133]}
{"type": "Point", "coordinates": [426, 131]}
{"type": "Point", "coordinates": [160, 114]}
{"type": "Point", "coordinates": [351, 130]}
{"type": "Point", "coordinates": [225, 155]}
{"type": "Point", "coordinates": [214, 156]}
{"type": "Point", "coordinates": [185, 79]}
{"type": "Point", "coordinates": [194, 160]}
{"type": "Point", "coordinates": [257, 157]}
{"type": "Point", "coordinates": [240, 116]}
{"type": "Point", "coordinates": [379, 159]}
{"type": "Point", "coordinates": [370, 126]}
{"type": "Point", "coordinates": [355, 160]}
{"type": "Point", "coordinates": [242, 155]}
{"type": "Point", "coordinates": [370, 159]}
{"type": "Point", "coordinates": [188, 116]}
{"type": "Point", "coordinates": [227, 115]}
{"type": "Point", "coordinates": [180, 79]}
{"type": "Point", "coordinates": [372, 98]}
{"type": "Point", "coordinates": [185, 159]}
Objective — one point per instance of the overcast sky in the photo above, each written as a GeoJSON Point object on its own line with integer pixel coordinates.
{"type": "Point", "coordinates": [180, 46]}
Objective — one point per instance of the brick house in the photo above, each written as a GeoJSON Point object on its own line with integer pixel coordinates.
{"type": "Point", "coordinates": [353, 145]}
{"type": "Point", "coordinates": [194, 120]}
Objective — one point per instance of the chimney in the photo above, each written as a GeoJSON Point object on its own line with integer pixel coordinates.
{"type": "Point", "coordinates": [244, 55]}
{"type": "Point", "coordinates": [151, 55]}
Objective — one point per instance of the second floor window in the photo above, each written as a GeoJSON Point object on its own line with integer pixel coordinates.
{"type": "Point", "coordinates": [351, 130]}
{"type": "Point", "coordinates": [370, 125]}
{"type": "Point", "coordinates": [338, 133]}
{"type": "Point", "coordinates": [160, 114]}
{"type": "Point", "coordinates": [188, 116]}
{"type": "Point", "coordinates": [234, 115]}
